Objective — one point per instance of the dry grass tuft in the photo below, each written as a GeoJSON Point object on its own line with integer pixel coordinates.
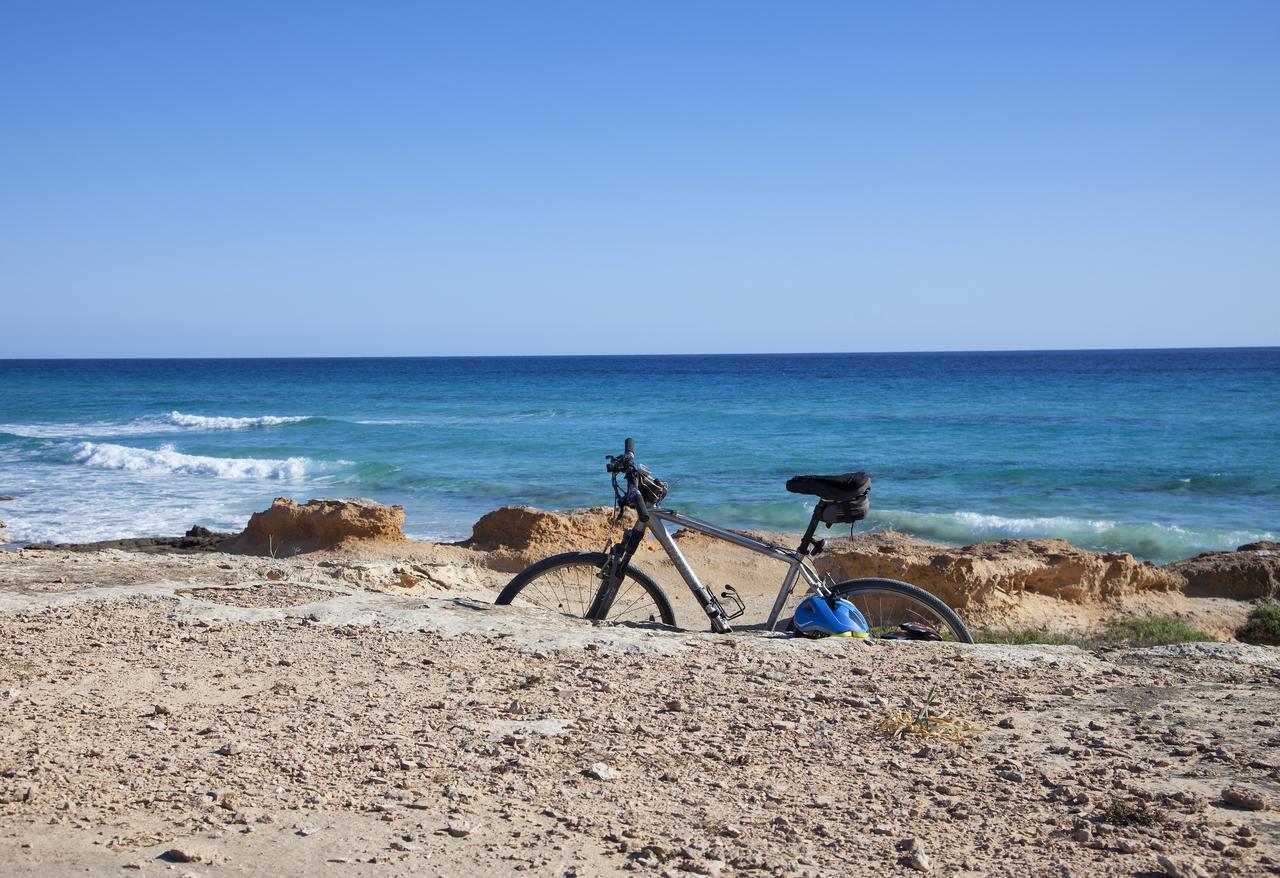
{"type": "Point", "coordinates": [927, 723]}
{"type": "Point", "coordinates": [1122, 813]}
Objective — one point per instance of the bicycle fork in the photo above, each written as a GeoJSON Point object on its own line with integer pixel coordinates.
{"type": "Point", "coordinates": [614, 570]}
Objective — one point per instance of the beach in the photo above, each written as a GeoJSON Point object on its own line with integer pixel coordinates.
{"type": "Point", "coordinates": [328, 685]}
{"type": "Point", "coordinates": [365, 709]}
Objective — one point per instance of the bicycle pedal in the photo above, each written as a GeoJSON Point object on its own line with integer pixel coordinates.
{"type": "Point", "coordinates": [731, 593]}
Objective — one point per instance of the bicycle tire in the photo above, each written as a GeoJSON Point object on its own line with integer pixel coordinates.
{"type": "Point", "coordinates": [852, 589]}
{"type": "Point", "coordinates": [575, 599]}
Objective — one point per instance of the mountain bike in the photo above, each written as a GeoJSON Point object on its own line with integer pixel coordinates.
{"type": "Point", "coordinates": [607, 586]}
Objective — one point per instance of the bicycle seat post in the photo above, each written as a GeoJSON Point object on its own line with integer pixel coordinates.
{"type": "Point", "coordinates": [807, 541]}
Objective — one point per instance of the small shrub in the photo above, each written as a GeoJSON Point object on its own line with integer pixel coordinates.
{"type": "Point", "coordinates": [1262, 626]}
{"type": "Point", "coordinates": [1153, 631]}
{"type": "Point", "coordinates": [1145, 631]}
{"type": "Point", "coordinates": [1122, 813]}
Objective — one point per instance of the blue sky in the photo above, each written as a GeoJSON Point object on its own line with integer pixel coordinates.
{"type": "Point", "coordinates": [225, 179]}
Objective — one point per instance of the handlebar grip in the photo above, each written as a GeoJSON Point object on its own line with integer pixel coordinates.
{"type": "Point", "coordinates": [629, 447]}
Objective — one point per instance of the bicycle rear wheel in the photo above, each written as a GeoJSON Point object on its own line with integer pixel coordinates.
{"type": "Point", "coordinates": [568, 584]}
{"type": "Point", "coordinates": [887, 604]}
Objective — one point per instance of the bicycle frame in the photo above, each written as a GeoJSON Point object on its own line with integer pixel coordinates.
{"type": "Point", "coordinates": [799, 568]}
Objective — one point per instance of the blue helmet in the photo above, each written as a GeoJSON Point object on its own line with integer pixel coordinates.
{"type": "Point", "coordinates": [819, 616]}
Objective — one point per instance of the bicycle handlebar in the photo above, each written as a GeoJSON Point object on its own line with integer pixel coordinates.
{"type": "Point", "coordinates": [624, 463]}
{"type": "Point", "coordinates": [643, 488]}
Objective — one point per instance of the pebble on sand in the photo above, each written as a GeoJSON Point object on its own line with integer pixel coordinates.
{"type": "Point", "coordinates": [600, 771]}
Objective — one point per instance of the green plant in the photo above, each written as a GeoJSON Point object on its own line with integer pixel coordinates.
{"type": "Point", "coordinates": [1152, 631]}
{"type": "Point", "coordinates": [1143, 631]}
{"type": "Point", "coordinates": [1019, 637]}
{"type": "Point", "coordinates": [1262, 626]}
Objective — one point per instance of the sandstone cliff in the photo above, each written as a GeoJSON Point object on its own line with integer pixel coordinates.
{"type": "Point", "coordinates": [1249, 573]}
{"type": "Point", "coordinates": [516, 536]}
{"type": "Point", "coordinates": [972, 575]}
{"type": "Point", "coordinates": [289, 529]}
{"type": "Point", "coordinates": [969, 577]}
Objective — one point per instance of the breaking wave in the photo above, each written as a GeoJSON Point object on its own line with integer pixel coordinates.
{"type": "Point", "coordinates": [1161, 542]}
{"type": "Point", "coordinates": [173, 422]}
{"type": "Point", "coordinates": [166, 460]}
{"type": "Point", "coordinates": [202, 422]}
{"type": "Point", "coordinates": [139, 427]}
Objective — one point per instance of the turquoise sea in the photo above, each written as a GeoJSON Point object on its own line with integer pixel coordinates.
{"type": "Point", "coordinates": [1162, 453]}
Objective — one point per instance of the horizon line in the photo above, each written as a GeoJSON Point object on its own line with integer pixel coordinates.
{"type": "Point", "coordinates": [658, 355]}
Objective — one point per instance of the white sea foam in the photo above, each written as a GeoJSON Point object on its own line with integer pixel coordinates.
{"type": "Point", "coordinates": [979, 522]}
{"type": "Point", "coordinates": [965, 526]}
{"type": "Point", "coordinates": [1160, 540]}
{"type": "Point", "coordinates": [173, 422]}
{"type": "Point", "coordinates": [95, 428]}
{"type": "Point", "coordinates": [167, 460]}
{"type": "Point", "coordinates": [202, 422]}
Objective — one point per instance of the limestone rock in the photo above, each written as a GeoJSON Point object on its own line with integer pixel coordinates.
{"type": "Point", "coordinates": [288, 528]}
{"type": "Point", "coordinates": [1249, 573]}
{"type": "Point", "coordinates": [1181, 867]}
{"type": "Point", "coordinates": [186, 855]}
{"type": "Point", "coordinates": [1244, 797]}
{"type": "Point", "coordinates": [601, 771]}
{"type": "Point", "coordinates": [459, 828]}
{"type": "Point", "coordinates": [516, 536]}
{"type": "Point", "coordinates": [971, 575]}
{"type": "Point", "coordinates": [197, 539]}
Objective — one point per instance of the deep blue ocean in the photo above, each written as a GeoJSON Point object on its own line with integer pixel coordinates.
{"type": "Point", "coordinates": [1160, 453]}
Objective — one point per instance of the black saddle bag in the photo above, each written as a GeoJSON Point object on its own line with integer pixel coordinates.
{"type": "Point", "coordinates": [845, 511]}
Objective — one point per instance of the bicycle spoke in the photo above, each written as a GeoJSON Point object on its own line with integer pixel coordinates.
{"type": "Point", "coordinates": [886, 611]}
{"type": "Point", "coordinates": [571, 589]}
{"type": "Point", "coordinates": [579, 590]}
{"type": "Point", "coordinates": [575, 590]}
{"type": "Point", "coordinates": [545, 602]}
{"type": "Point", "coordinates": [618, 600]}
{"type": "Point", "coordinates": [588, 590]}
{"type": "Point", "coordinates": [639, 599]}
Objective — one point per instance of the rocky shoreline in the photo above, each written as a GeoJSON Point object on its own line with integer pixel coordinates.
{"type": "Point", "coordinates": [349, 702]}
{"type": "Point", "coordinates": [514, 536]}
{"type": "Point", "coordinates": [1024, 583]}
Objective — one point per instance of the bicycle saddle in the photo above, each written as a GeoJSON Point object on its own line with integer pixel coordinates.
{"type": "Point", "coordinates": [849, 486]}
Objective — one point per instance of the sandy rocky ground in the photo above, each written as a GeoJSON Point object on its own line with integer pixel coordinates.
{"type": "Point", "coordinates": [367, 711]}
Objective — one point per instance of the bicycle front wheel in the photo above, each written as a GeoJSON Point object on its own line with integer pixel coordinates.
{"type": "Point", "coordinates": [568, 584]}
{"type": "Point", "coordinates": [888, 603]}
